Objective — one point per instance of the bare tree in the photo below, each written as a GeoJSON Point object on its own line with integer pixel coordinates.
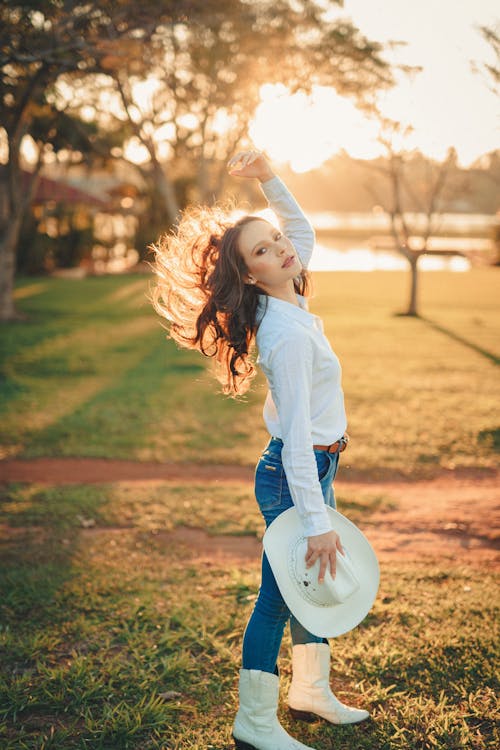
{"type": "Point", "coordinates": [404, 196]}
{"type": "Point", "coordinates": [490, 71]}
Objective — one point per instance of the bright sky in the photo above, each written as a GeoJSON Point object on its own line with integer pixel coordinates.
{"type": "Point", "coordinates": [447, 104]}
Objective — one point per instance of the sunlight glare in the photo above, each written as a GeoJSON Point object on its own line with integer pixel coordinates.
{"type": "Point", "coordinates": [136, 152]}
{"type": "Point", "coordinates": [223, 122]}
{"type": "Point", "coordinates": [306, 130]}
{"type": "Point", "coordinates": [143, 93]}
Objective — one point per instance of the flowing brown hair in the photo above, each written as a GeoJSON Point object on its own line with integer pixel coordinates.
{"type": "Point", "coordinates": [200, 290]}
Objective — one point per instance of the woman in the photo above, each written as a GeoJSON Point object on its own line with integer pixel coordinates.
{"type": "Point", "coordinates": [225, 287]}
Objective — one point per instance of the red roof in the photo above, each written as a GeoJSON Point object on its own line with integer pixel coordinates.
{"type": "Point", "coordinates": [61, 192]}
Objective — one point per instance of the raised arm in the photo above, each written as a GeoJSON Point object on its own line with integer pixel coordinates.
{"type": "Point", "coordinates": [292, 219]}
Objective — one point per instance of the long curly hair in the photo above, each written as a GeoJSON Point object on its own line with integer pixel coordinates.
{"type": "Point", "coordinates": [199, 289]}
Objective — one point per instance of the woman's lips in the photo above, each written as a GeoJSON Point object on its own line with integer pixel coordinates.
{"type": "Point", "coordinates": [288, 261]}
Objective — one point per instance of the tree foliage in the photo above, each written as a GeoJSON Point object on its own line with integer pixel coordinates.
{"type": "Point", "coordinates": [205, 73]}
{"type": "Point", "coordinates": [490, 71]}
{"type": "Point", "coordinates": [39, 43]}
{"type": "Point", "coordinates": [205, 61]}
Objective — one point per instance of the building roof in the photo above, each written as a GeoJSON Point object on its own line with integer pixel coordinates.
{"type": "Point", "coordinates": [61, 191]}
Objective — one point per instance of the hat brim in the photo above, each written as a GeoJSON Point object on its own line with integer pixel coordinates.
{"type": "Point", "coordinates": [324, 621]}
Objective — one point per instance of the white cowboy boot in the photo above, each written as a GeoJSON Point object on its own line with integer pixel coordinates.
{"type": "Point", "coordinates": [256, 726]}
{"type": "Point", "coordinates": [310, 695]}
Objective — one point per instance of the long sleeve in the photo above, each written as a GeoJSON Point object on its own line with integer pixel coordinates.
{"type": "Point", "coordinates": [292, 220]}
{"type": "Point", "coordinates": [289, 371]}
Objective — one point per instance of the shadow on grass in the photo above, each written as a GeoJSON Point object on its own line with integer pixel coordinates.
{"type": "Point", "coordinates": [41, 530]}
{"type": "Point", "coordinates": [120, 417]}
{"type": "Point", "coordinates": [359, 508]}
{"type": "Point", "coordinates": [490, 437]}
{"type": "Point", "coordinates": [461, 340]}
{"type": "Point", "coordinates": [113, 642]}
{"type": "Point", "coordinates": [84, 653]}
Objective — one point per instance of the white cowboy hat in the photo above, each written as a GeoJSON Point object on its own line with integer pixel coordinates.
{"type": "Point", "coordinates": [336, 606]}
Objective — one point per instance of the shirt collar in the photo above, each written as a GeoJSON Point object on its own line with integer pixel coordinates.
{"type": "Point", "coordinates": [282, 307]}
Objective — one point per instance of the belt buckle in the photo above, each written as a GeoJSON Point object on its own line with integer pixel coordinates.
{"type": "Point", "coordinates": [343, 442]}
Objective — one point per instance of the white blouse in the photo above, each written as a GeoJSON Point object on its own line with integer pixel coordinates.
{"type": "Point", "coordinates": [305, 403]}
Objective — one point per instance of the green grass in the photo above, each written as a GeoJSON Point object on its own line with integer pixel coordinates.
{"type": "Point", "coordinates": [418, 400]}
{"type": "Point", "coordinates": [89, 373]}
{"type": "Point", "coordinates": [111, 638]}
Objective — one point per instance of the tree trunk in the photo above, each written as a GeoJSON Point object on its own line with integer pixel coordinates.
{"type": "Point", "coordinates": [202, 180]}
{"type": "Point", "coordinates": [12, 212]}
{"type": "Point", "coordinates": [413, 302]}
{"type": "Point", "coordinates": [166, 189]}
{"type": "Point", "coordinates": [8, 245]}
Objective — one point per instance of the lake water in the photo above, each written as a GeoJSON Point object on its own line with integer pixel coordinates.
{"type": "Point", "coordinates": [362, 254]}
{"type": "Point", "coordinates": [363, 246]}
{"type": "Point", "coordinates": [378, 221]}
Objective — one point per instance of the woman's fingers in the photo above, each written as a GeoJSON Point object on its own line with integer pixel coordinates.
{"type": "Point", "coordinates": [253, 156]}
{"type": "Point", "coordinates": [243, 158]}
{"type": "Point", "coordinates": [324, 547]}
{"type": "Point", "coordinates": [311, 557]}
{"type": "Point", "coordinates": [327, 559]}
{"type": "Point", "coordinates": [324, 559]}
{"type": "Point", "coordinates": [233, 161]}
{"type": "Point", "coordinates": [251, 163]}
{"type": "Point", "coordinates": [333, 564]}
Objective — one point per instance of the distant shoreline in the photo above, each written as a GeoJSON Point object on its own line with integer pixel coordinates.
{"type": "Point", "coordinates": [363, 225]}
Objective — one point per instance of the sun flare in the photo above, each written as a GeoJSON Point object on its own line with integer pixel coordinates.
{"type": "Point", "coordinates": [305, 130]}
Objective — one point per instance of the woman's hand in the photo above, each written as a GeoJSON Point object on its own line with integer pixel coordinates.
{"type": "Point", "coordinates": [250, 164]}
{"type": "Point", "coordinates": [325, 547]}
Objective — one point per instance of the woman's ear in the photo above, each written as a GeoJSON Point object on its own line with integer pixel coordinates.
{"type": "Point", "coordinates": [249, 279]}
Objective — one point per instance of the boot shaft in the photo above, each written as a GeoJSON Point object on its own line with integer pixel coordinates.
{"type": "Point", "coordinates": [258, 694]}
{"type": "Point", "coordinates": [311, 665]}
{"type": "Point", "coordinates": [256, 726]}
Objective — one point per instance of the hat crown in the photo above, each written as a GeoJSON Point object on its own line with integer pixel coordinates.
{"type": "Point", "coordinates": [330, 593]}
{"type": "Point", "coordinates": [337, 606]}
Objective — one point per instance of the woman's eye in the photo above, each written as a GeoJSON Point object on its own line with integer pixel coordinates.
{"type": "Point", "coordinates": [261, 250]}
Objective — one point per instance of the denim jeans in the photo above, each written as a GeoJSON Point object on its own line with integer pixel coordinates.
{"type": "Point", "coordinates": [264, 632]}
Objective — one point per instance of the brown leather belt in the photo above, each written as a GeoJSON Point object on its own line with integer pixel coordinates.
{"type": "Point", "coordinates": [340, 445]}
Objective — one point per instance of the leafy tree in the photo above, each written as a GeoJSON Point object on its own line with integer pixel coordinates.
{"type": "Point", "coordinates": [40, 41]}
{"type": "Point", "coordinates": [205, 72]}
{"type": "Point", "coordinates": [210, 58]}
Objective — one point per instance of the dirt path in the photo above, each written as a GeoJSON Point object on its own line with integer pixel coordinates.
{"type": "Point", "coordinates": [443, 520]}
{"type": "Point", "coordinates": [100, 470]}
{"type": "Point", "coordinates": [447, 518]}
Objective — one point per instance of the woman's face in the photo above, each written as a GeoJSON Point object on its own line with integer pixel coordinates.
{"type": "Point", "coordinates": [269, 255]}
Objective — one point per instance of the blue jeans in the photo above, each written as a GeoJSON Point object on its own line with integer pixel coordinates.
{"type": "Point", "coordinates": [264, 632]}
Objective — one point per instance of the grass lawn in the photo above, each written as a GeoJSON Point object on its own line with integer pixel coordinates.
{"type": "Point", "coordinates": [89, 373]}
{"type": "Point", "coordinates": [113, 636]}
